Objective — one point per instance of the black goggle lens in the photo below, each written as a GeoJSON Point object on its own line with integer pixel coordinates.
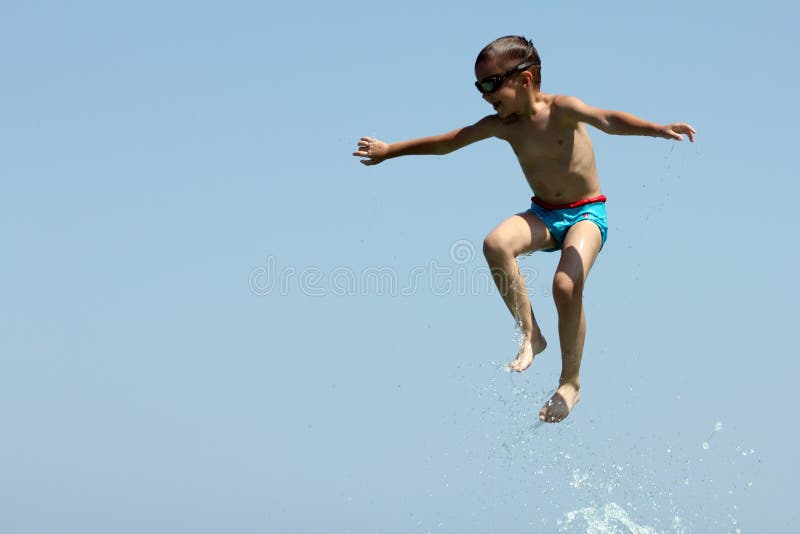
{"type": "Point", "coordinates": [493, 83]}
{"type": "Point", "coordinates": [490, 84]}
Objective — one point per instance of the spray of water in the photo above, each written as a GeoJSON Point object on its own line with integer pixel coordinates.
{"type": "Point", "coordinates": [578, 476]}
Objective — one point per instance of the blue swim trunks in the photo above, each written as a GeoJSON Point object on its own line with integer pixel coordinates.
{"type": "Point", "coordinates": [560, 218]}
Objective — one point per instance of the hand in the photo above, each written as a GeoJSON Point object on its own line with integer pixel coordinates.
{"type": "Point", "coordinates": [372, 150]}
{"type": "Point", "coordinates": [674, 131]}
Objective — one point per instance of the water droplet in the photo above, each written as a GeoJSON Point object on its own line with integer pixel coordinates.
{"type": "Point", "coordinates": [705, 445]}
{"type": "Point", "coordinates": [718, 426]}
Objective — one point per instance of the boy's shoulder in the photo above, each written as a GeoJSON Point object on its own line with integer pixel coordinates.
{"type": "Point", "coordinates": [568, 109]}
{"type": "Point", "coordinates": [492, 125]}
{"type": "Point", "coordinates": [564, 102]}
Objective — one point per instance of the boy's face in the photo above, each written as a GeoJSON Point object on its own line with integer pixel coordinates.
{"type": "Point", "coordinates": [502, 99]}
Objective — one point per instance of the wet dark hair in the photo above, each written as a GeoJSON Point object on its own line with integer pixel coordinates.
{"type": "Point", "coordinates": [513, 48]}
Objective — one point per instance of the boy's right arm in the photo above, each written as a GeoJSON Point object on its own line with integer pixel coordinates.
{"type": "Point", "coordinates": [373, 151]}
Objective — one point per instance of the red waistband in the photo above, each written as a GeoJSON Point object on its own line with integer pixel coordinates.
{"type": "Point", "coordinates": [577, 203]}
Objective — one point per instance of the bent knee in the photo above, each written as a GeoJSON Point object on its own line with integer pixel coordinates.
{"type": "Point", "coordinates": [496, 246]}
{"type": "Point", "coordinates": [566, 289]}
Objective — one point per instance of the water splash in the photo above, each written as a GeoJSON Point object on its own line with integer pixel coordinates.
{"type": "Point", "coordinates": [611, 518]}
{"type": "Point", "coordinates": [585, 475]}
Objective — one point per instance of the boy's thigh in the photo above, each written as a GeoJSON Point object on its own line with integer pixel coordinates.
{"type": "Point", "coordinates": [522, 233]}
{"type": "Point", "coordinates": [579, 250]}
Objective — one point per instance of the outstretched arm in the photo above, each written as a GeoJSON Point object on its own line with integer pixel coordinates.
{"type": "Point", "coordinates": [619, 122]}
{"type": "Point", "coordinates": [373, 151]}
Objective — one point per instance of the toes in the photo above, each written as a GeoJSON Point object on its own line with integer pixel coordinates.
{"type": "Point", "coordinates": [554, 410]}
{"type": "Point", "coordinates": [550, 418]}
{"type": "Point", "coordinates": [517, 366]}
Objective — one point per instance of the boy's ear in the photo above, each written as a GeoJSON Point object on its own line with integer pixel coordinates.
{"type": "Point", "coordinates": [526, 77]}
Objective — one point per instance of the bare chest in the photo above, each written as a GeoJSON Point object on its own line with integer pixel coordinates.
{"type": "Point", "coordinates": [542, 140]}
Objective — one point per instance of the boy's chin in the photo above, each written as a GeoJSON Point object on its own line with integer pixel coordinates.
{"type": "Point", "coordinates": [504, 114]}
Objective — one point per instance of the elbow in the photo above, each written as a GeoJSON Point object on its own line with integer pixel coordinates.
{"type": "Point", "coordinates": [442, 148]}
{"type": "Point", "coordinates": [612, 124]}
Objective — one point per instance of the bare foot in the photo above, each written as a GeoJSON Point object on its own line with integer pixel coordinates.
{"type": "Point", "coordinates": [526, 353]}
{"type": "Point", "coordinates": [560, 404]}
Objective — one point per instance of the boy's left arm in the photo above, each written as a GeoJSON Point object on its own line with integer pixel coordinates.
{"type": "Point", "coordinates": [619, 122]}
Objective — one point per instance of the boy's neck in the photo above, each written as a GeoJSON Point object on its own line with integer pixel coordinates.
{"type": "Point", "coordinates": [533, 102]}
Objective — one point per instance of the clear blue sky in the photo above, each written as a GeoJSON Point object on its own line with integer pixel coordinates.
{"type": "Point", "coordinates": [198, 331]}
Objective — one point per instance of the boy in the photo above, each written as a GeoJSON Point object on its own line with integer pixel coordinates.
{"type": "Point", "coordinates": [548, 135]}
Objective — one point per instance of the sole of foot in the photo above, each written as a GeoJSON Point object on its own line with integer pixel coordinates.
{"type": "Point", "coordinates": [560, 405]}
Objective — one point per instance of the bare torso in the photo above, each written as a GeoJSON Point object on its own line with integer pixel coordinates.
{"type": "Point", "coordinates": [556, 155]}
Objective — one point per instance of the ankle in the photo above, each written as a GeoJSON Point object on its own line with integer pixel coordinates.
{"type": "Point", "coordinates": [527, 338]}
{"type": "Point", "coordinates": [574, 382]}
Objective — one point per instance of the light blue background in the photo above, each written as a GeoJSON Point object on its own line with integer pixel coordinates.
{"type": "Point", "coordinates": [159, 161]}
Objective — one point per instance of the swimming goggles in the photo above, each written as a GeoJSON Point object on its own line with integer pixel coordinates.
{"type": "Point", "coordinates": [490, 84]}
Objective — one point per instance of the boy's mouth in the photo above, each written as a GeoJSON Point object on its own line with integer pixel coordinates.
{"type": "Point", "coordinates": [496, 105]}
